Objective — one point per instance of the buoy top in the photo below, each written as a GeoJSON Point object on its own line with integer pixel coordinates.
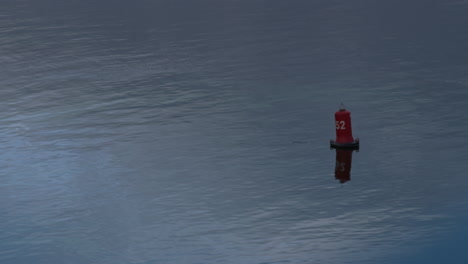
{"type": "Point", "coordinates": [342, 107]}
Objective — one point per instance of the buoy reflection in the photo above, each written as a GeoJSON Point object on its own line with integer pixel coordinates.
{"type": "Point", "coordinates": [344, 159]}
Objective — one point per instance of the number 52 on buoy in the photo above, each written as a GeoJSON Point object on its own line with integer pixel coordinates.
{"type": "Point", "coordinates": [344, 133]}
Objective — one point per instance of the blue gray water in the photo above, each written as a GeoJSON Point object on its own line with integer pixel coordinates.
{"type": "Point", "coordinates": [197, 131]}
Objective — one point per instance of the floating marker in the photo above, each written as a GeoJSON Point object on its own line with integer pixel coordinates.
{"type": "Point", "coordinates": [344, 133]}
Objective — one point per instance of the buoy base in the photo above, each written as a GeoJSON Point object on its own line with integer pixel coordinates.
{"type": "Point", "coordinates": [352, 145]}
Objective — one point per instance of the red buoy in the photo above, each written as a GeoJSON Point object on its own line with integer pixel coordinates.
{"type": "Point", "coordinates": [344, 133]}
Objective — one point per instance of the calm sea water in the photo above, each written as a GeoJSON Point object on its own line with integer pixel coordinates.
{"type": "Point", "coordinates": [197, 131]}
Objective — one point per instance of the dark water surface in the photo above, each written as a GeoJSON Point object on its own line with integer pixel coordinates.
{"type": "Point", "coordinates": [197, 131]}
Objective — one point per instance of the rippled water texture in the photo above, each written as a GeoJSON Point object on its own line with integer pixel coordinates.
{"type": "Point", "coordinates": [197, 131]}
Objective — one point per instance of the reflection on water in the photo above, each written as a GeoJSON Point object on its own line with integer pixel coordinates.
{"type": "Point", "coordinates": [343, 160]}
